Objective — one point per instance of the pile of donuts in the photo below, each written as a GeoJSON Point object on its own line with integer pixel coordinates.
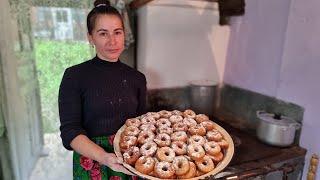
{"type": "Point", "coordinates": [172, 144]}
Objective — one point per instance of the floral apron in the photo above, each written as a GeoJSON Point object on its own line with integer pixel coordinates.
{"type": "Point", "coordinates": [88, 169]}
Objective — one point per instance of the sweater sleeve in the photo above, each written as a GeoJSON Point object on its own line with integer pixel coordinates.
{"type": "Point", "coordinates": [70, 108]}
{"type": "Point", "coordinates": [142, 94]}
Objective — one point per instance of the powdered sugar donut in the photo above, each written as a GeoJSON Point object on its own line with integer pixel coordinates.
{"type": "Point", "coordinates": [163, 122]}
{"type": "Point", "coordinates": [189, 114]}
{"type": "Point", "coordinates": [189, 122]}
{"type": "Point", "coordinates": [208, 125]}
{"type": "Point", "coordinates": [155, 115]}
{"type": "Point", "coordinates": [148, 127]}
{"type": "Point", "coordinates": [133, 122]}
{"type": "Point", "coordinates": [131, 155]}
{"type": "Point", "coordinates": [148, 119]}
{"type": "Point", "coordinates": [165, 154]}
{"type": "Point", "coordinates": [179, 136]}
{"type": "Point", "coordinates": [197, 130]}
{"type": "Point", "coordinates": [196, 139]}
{"type": "Point", "coordinates": [145, 136]}
{"type": "Point", "coordinates": [165, 114]}
{"type": "Point", "coordinates": [179, 147]}
{"type": "Point", "coordinates": [212, 148]}
{"type": "Point", "coordinates": [201, 117]}
{"type": "Point", "coordinates": [127, 141]}
{"type": "Point", "coordinates": [195, 152]}
{"type": "Point", "coordinates": [180, 127]}
{"type": "Point", "coordinates": [165, 129]}
{"type": "Point", "coordinates": [205, 164]}
{"type": "Point", "coordinates": [164, 170]}
{"type": "Point", "coordinates": [175, 119]}
{"type": "Point", "coordinates": [145, 164]}
{"type": "Point", "coordinates": [217, 157]}
{"type": "Point", "coordinates": [191, 173]}
{"type": "Point", "coordinates": [177, 112]}
{"type": "Point", "coordinates": [223, 144]}
{"type": "Point", "coordinates": [163, 140]}
{"type": "Point", "coordinates": [214, 135]}
{"type": "Point", "coordinates": [148, 149]}
{"type": "Point", "coordinates": [131, 131]}
{"type": "Point", "coordinates": [181, 165]}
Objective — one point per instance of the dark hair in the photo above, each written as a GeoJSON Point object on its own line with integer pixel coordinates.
{"type": "Point", "coordinates": [101, 7]}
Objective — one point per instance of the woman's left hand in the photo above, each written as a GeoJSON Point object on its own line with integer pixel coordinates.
{"type": "Point", "coordinates": [120, 168]}
{"type": "Point", "coordinates": [114, 163]}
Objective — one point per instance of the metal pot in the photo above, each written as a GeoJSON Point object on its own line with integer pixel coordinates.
{"type": "Point", "coordinates": [202, 96]}
{"type": "Point", "coordinates": [275, 129]}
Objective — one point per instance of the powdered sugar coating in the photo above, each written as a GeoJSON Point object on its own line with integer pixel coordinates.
{"type": "Point", "coordinates": [148, 149]}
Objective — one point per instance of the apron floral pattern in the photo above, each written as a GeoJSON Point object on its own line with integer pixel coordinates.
{"type": "Point", "coordinates": [88, 169]}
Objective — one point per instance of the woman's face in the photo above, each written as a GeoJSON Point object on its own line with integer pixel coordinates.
{"type": "Point", "coordinates": [108, 37]}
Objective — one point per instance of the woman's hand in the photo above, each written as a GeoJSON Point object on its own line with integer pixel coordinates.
{"type": "Point", "coordinates": [84, 146]}
{"type": "Point", "coordinates": [114, 163]}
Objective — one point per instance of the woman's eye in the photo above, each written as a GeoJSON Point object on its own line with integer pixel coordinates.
{"type": "Point", "coordinates": [118, 32]}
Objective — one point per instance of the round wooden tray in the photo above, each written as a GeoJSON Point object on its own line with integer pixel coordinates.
{"type": "Point", "coordinates": [226, 160]}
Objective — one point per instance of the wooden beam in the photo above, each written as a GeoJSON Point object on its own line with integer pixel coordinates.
{"type": "Point", "coordinates": [135, 4]}
{"type": "Point", "coordinates": [138, 3]}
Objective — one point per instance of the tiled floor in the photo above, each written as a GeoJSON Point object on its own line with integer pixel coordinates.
{"type": "Point", "coordinates": [57, 165]}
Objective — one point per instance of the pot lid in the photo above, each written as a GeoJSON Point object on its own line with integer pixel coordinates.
{"type": "Point", "coordinates": [277, 119]}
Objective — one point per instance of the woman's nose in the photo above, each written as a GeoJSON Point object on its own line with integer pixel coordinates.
{"type": "Point", "coordinates": [112, 40]}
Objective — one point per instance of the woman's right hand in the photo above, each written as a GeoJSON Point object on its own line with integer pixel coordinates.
{"type": "Point", "coordinates": [111, 160]}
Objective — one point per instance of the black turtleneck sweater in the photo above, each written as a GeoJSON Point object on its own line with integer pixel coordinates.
{"type": "Point", "coordinates": [96, 97]}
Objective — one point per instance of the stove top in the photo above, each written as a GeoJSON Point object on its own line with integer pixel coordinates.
{"type": "Point", "coordinates": [247, 147]}
{"type": "Point", "coordinates": [251, 156]}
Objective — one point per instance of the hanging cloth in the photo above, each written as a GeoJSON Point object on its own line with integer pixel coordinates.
{"type": "Point", "coordinates": [120, 5]}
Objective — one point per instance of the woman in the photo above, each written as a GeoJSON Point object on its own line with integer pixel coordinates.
{"type": "Point", "coordinates": [97, 96]}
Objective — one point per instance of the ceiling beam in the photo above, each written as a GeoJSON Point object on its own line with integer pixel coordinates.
{"type": "Point", "coordinates": [135, 4]}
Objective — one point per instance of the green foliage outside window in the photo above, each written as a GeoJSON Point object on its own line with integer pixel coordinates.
{"type": "Point", "coordinates": [52, 58]}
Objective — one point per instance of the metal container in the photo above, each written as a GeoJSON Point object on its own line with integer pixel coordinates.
{"type": "Point", "coordinates": [275, 129]}
{"type": "Point", "coordinates": [202, 96]}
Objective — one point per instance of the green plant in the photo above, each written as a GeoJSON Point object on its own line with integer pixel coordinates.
{"type": "Point", "coordinates": [52, 58]}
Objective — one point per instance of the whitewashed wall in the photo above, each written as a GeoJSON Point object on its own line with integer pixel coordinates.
{"type": "Point", "coordinates": [274, 50]}
{"type": "Point", "coordinates": [301, 69]}
{"type": "Point", "coordinates": [256, 46]}
{"type": "Point", "coordinates": [180, 41]}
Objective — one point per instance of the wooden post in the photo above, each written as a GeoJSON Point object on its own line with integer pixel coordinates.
{"type": "Point", "coordinates": [313, 167]}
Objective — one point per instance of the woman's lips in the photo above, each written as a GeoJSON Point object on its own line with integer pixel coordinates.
{"type": "Point", "coordinates": [113, 50]}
